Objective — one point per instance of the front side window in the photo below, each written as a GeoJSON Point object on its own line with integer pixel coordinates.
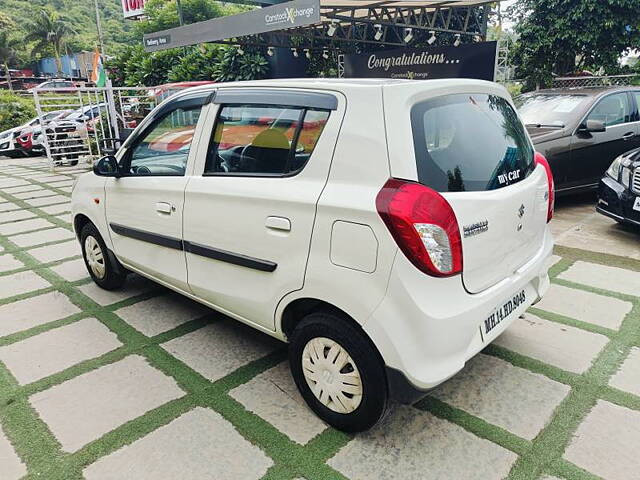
{"type": "Point", "coordinates": [469, 142]}
{"type": "Point", "coordinates": [612, 110]}
{"type": "Point", "coordinates": [164, 149]}
{"type": "Point", "coordinates": [263, 139]}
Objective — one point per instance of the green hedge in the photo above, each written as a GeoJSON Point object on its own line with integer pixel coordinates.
{"type": "Point", "coordinates": [15, 110]}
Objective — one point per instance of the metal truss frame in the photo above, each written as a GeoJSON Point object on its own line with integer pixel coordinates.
{"type": "Point", "coordinates": [352, 26]}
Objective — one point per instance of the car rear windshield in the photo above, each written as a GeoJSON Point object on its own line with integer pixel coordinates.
{"type": "Point", "coordinates": [469, 142]}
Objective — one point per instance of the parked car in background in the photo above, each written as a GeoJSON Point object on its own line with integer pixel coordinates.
{"type": "Point", "coordinates": [388, 242]}
{"type": "Point", "coordinates": [619, 189]}
{"type": "Point", "coordinates": [66, 136]}
{"type": "Point", "coordinates": [54, 84]}
{"type": "Point", "coordinates": [31, 139]}
{"type": "Point", "coordinates": [9, 147]}
{"type": "Point", "coordinates": [581, 130]}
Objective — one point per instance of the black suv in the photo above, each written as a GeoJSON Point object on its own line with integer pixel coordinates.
{"type": "Point", "coordinates": [619, 190]}
{"type": "Point", "coordinates": [581, 130]}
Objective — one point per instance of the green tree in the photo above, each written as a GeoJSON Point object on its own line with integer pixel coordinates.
{"type": "Point", "coordinates": [8, 53]}
{"type": "Point", "coordinates": [559, 37]}
{"type": "Point", "coordinates": [49, 30]}
{"type": "Point", "coordinates": [233, 67]}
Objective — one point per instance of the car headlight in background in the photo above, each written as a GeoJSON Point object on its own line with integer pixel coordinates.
{"type": "Point", "coordinates": [615, 168]}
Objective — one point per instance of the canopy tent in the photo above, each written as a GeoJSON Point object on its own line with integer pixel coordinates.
{"type": "Point", "coordinates": [333, 24]}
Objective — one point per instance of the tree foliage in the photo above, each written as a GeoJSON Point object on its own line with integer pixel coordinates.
{"type": "Point", "coordinates": [564, 36]}
{"type": "Point", "coordinates": [49, 31]}
{"type": "Point", "coordinates": [14, 110]}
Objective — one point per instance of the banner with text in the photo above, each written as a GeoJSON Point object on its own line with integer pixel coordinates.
{"type": "Point", "coordinates": [297, 13]}
{"type": "Point", "coordinates": [472, 60]}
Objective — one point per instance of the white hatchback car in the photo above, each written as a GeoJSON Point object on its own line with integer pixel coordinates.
{"type": "Point", "coordinates": [388, 230]}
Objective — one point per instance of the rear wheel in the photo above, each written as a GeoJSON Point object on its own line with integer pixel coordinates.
{"type": "Point", "coordinates": [338, 372]}
{"type": "Point", "coordinates": [102, 267]}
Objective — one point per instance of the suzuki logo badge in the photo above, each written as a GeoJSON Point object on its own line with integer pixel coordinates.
{"type": "Point", "coordinates": [521, 211]}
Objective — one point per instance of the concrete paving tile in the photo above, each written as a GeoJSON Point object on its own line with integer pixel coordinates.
{"type": "Point", "coordinates": [7, 206]}
{"type": "Point", "coordinates": [34, 311]}
{"type": "Point", "coordinates": [38, 202]}
{"type": "Point", "coordinates": [12, 466]}
{"type": "Point", "coordinates": [57, 209]}
{"type": "Point", "coordinates": [24, 226]}
{"type": "Point", "coordinates": [553, 259]}
{"type": "Point", "coordinates": [65, 217]}
{"type": "Point", "coordinates": [606, 442]}
{"type": "Point", "coordinates": [220, 348]}
{"type": "Point", "coordinates": [510, 397]}
{"type": "Point", "coordinates": [411, 444]}
{"type": "Point", "coordinates": [273, 396]}
{"type": "Point", "coordinates": [86, 407]}
{"type": "Point", "coordinates": [628, 376]}
{"type": "Point", "coordinates": [12, 182]}
{"type": "Point", "coordinates": [565, 347]}
{"type": "Point", "coordinates": [9, 262]}
{"type": "Point", "coordinates": [58, 349]}
{"type": "Point", "coordinates": [605, 277]}
{"type": "Point", "coordinates": [168, 453]}
{"type": "Point", "coordinates": [34, 194]}
{"type": "Point", "coordinates": [21, 282]}
{"type": "Point", "coordinates": [22, 188]}
{"type": "Point", "coordinates": [162, 313]}
{"type": "Point", "coordinates": [53, 178]}
{"type": "Point", "coordinates": [586, 306]}
{"type": "Point", "coordinates": [16, 215]}
{"type": "Point", "coordinates": [51, 253]}
{"type": "Point", "coordinates": [72, 271]}
{"type": "Point", "coordinates": [135, 285]}
{"type": "Point", "coordinates": [45, 236]}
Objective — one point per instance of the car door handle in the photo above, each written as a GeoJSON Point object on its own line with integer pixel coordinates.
{"type": "Point", "coordinates": [278, 223]}
{"type": "Point", "coordinates": [628, 135]}
{"type": "Point", "coordinates": [165, 207]}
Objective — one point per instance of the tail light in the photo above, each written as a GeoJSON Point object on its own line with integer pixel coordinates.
{"type": "Point", "coordinates": [540, 160]}
{"type": "Point", "coordinates": [423, 225]}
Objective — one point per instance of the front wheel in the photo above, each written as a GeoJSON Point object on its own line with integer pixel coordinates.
{"type": "Point", "coordinates": [338, 372]}
{"type": "Point", "coordinates": [102, 267]}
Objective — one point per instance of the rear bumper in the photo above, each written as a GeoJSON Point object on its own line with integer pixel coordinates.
{"type": "Point", "coordinates": [615, 201]}
{"type": "Point", "coordinates": [427, 328]}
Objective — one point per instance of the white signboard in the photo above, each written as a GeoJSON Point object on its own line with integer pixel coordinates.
{"type": "Point", "coordinates": [132, 8]}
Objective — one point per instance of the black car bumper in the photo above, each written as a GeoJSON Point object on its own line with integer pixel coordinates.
{"type": "Point", "coordinates": [616, 201]}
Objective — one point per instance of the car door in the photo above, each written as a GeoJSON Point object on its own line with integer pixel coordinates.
{"type": "Point", "coordinates": [144, 207]}
{"type": "Point", "coordinates": [593, 152]}
{"type": "Point", "coordinates": [250, 208]}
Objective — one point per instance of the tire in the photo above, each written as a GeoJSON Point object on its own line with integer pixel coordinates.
{"type": "Point", "coordinates": [341, 404]}
{"type": "Point", "coordinates": [73, 163]}
{"type": "Point", "coordinates": [100, 265]}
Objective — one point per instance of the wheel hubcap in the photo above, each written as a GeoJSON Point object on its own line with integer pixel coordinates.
{"type": "Point", "coordinates": [94, 256]}
{"type": "Point", "coordinates": [332, 375]}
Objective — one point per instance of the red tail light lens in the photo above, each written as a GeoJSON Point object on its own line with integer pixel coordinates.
{"type": "Point", "coordinates": [540, 160]}
{"type": "Point", "coordinates": [423, 225]}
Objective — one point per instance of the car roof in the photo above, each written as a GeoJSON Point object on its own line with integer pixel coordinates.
{"type": "Point", "coordinates": [587, 91]}
{"type": "Point", "coordinates": [347, 84]}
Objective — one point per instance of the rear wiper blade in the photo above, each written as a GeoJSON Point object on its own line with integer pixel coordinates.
{"type": "Point", "coordinates": [544, 125]}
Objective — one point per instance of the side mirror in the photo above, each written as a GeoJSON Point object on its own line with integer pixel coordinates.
{"type": "Point", "coordinates": [595, 126]}
{"type": "Point", "coordinates": [107, 167]}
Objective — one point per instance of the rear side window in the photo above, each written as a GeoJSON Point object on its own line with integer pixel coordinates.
{"type": "Point", "coordinates": [263, 139]}
{"type": "Point", "coordinates": [469, 142]}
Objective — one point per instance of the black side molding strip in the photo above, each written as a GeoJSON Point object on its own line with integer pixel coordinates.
{"type": "Point", "coordinates": [195, 248]}
{"type": "Point", "coordinates": [230, 257]}
{"type": "Point", "coordinates": [155, 238]}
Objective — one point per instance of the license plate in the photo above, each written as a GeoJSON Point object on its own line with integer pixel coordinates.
{"type": "Point", "coordinates": [636, 204]}
{"type": "Point", "coordinates": [504, 311]}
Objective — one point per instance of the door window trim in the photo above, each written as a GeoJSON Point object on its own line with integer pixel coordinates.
{"type": "Point", "coordinates": [188, 102]}
{"type": "Point", "coordinates": [262, 103]}
{"type": "Point", "coordinates": [595, 104]}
